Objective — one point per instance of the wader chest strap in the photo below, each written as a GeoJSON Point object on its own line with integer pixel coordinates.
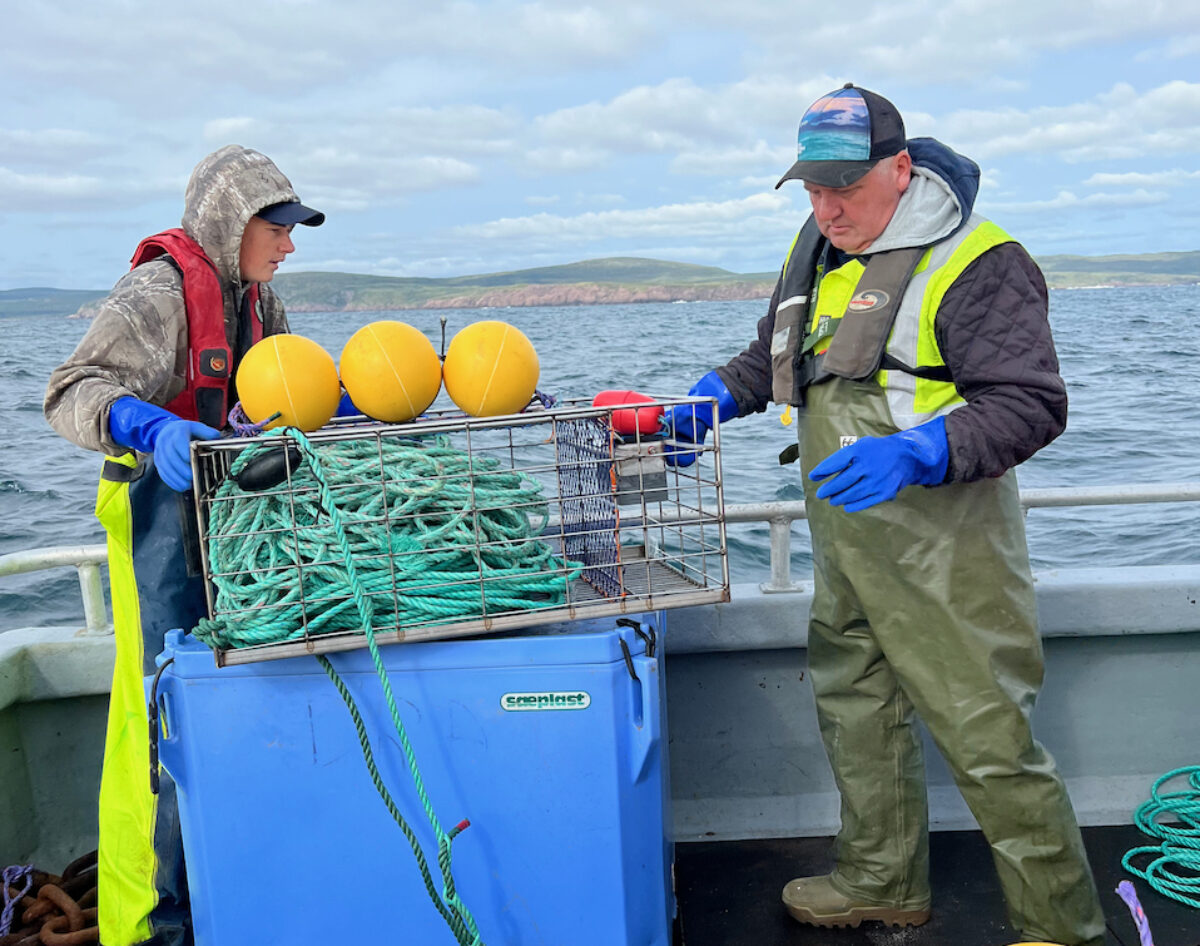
{"type": "Point", "coordinates": [857, 348]}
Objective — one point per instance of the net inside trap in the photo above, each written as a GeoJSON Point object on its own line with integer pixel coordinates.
{"type": "Point", "coordinates": [450, 526]}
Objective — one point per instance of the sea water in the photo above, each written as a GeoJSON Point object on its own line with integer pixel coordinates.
{"type": "Point", "coordinates": [1130, 356]}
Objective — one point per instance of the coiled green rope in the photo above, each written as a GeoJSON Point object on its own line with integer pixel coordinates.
{"type": "Point", "coordinates": [436, 535]}
{"type": "Point", "coordinates": [1175, 868]}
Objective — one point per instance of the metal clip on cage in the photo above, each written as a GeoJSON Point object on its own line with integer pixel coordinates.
{"type": "Point", "coordinates": [450, 526]}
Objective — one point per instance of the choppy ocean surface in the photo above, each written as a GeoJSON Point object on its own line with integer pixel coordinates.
{"type": "Point", "coordinates": [1131, 358]}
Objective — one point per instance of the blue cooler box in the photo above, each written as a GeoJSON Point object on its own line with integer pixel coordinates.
{"type": "Point", "coordinates": [552, 744]}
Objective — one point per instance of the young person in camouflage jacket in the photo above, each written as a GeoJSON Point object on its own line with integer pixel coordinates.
{"type": "Point", "coordinates": [154, 371]}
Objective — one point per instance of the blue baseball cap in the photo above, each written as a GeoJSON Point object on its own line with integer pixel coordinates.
{"type": "Point", "coordinates": [291, 212]}
{"type": "Point", "coordinates": [843, 135]}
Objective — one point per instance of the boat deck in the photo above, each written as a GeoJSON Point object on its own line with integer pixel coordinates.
{"type": "Point", "coordinates": [728, 895]}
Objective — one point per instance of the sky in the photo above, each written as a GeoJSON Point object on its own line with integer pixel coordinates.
{"type": "Point", "coordinates": [446, 139]}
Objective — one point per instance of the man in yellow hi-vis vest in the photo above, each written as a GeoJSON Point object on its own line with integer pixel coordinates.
{"type": "Point", "coordinates": [155, 371]}
{"type": "Point", "coordinates": [911, 336]}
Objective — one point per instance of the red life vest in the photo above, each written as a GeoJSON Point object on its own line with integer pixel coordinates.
{"type": "Point", "coordinates": [206, 397]}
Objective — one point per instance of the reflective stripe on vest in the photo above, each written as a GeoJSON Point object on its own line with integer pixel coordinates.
{"type": "Point", "coordinates": [912, 399]}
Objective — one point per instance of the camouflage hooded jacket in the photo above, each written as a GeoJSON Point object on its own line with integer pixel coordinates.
{"type": "Point", "coordinates": [138, 343]}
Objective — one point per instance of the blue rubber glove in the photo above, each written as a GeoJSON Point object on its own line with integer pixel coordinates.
{"type": "Point", "coordinates": [690, 423]}
{"type": "Point", "coordinates": [874, 469]}
{"type": "Point", "coordinates": [150, 429]}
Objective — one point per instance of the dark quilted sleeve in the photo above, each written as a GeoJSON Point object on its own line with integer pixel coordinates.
{"type": "Point", "coordinates": [748, 375]}
{"type": "Point", "coordinates": [994, 334]}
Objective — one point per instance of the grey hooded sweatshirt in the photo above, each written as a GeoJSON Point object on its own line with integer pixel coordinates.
{"type": "Point", "coordinates": [137, 345]}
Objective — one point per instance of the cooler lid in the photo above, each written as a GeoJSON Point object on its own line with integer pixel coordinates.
{"type": "Point", "coordinates": [594, 641]}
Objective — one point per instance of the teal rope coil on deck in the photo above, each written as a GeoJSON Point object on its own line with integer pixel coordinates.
{"type": "Point", "coordinates": [436, 535]}
{"type": "Point", "coordinates": [1173, 817]}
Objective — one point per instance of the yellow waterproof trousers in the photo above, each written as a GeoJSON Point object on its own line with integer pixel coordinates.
{"type": "Point", "coordinates": [140, 857]}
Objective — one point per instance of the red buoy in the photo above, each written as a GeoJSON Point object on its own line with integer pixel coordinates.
{"type": "Point", "coordinates": [644, 421]}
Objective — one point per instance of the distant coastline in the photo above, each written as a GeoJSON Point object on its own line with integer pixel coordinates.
{"type": "Point", "coordinates": [613, 281]}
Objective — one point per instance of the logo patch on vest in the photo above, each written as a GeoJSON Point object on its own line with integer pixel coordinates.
{"type": "Point", "coordinates": [214, 363]}
{"type": "Point", "coordinates": [867, 300]}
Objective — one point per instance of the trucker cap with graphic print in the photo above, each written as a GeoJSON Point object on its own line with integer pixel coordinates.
{"type": "Point", "coordinates": [843, 135]}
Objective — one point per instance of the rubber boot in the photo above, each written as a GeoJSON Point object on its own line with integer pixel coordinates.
{"type": "Point", "coordinates": [816, 902]}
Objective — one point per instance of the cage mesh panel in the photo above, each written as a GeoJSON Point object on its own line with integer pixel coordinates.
{"type": "Point", "coordinates": [589, 509]}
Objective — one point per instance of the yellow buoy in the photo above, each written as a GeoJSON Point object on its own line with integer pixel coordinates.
{"type": "Point", "coordinates": [490, 368]}
{"type": "Point", "coordinates": [290, 374]}
{"type": "Point", "coordinates": [391, 371]}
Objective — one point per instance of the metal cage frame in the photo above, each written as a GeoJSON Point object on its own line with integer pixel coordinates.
{"type": "Point", "coordinates": [644, 534]}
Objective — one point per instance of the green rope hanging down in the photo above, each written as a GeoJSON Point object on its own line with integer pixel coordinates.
{"type": "Point", "coordinates": [435, 534]}
{"type": "Point", "coordinates": [448, 903]}
{"type": "Point", "coordinates": [451, 499]}
{"type": "Point", "coordinates": [1173, 817]}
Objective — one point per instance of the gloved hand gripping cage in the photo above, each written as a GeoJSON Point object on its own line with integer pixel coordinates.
{"type": "Point", "coordinates": [449, 526]}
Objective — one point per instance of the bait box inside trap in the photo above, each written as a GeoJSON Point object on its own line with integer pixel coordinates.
{"type": "Point", "coordinates": [551, 741]}
{"type": "Point", "coordinates": [451, 526]}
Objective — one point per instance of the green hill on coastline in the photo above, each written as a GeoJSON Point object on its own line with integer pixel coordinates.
{"type": "Point", "coordinates": [619, 279]}
{"type": "Point", "coordinates": [613, 280]}
{"type": "Point", "coordinates": [1142, 269]}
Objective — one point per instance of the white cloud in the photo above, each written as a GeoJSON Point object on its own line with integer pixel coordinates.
{"type": "Point", "coordinates": [51, 146]}
{"type": "Point", "coordinates": [705, 130]}
{"type": "Point", "coordinates": [944, 41]}
{"type": "Point", "coordinates": [45, 193]}
{"type": "Point", "coordinates": [1066, 200]}
{"type": "Point", "coordinates": [763, 182]}
{"type": "Point", "coordinates": [597, 200]}
{"type": "Point", "coordinates": [229, 129]}
{"type": "Point", "coordinates": [702, 218]}
{"type": "Point", "coordinates": [1176, 47]}
{"type": "Point", "coordinates": [298, 46]}
{"type": "Point", "coordinates": [1172, 178]}
{"type": "Point", "coordinates": [565, 159]}
{"type": "Point", "coordinates": [731, 161]}
{"type": "Point", "coordinates": [1120, 123]}
{"type": "Point", "coordinates": [477, 113]}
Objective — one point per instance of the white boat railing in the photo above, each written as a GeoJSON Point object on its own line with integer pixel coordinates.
{"type": "Point", "coordinates": [86, 560]}
{"type": "Point", "coordinates": [779, 516]}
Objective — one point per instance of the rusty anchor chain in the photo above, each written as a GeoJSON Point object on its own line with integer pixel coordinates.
{"type": "Point", "coordinates": [63, 910]}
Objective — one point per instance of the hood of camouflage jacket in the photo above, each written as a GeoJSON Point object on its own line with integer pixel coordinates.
{"type": "Point", "coordinates": [226, 189]}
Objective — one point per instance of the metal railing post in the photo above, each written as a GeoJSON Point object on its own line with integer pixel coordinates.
{"type": "Point", "coordinates": [95, 612]}
{"type": "Point", "coordinates": [781, 557]}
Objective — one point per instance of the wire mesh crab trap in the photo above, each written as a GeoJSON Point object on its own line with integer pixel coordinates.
{"type": "Point", "coordinates": [451, 526]}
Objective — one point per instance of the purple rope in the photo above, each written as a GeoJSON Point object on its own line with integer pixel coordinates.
{"type": "Point", "coordinates": [1126, 892]}
{"type": "Point", "coordinates": [242, 425]}
{"type": "Point", "coordinates": [10, 877]}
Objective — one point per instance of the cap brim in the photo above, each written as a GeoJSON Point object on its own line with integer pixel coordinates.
{"type": "Point", "coordinates": [827, 173]}
{"type": "Point", "coordinates": [289, 214]}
